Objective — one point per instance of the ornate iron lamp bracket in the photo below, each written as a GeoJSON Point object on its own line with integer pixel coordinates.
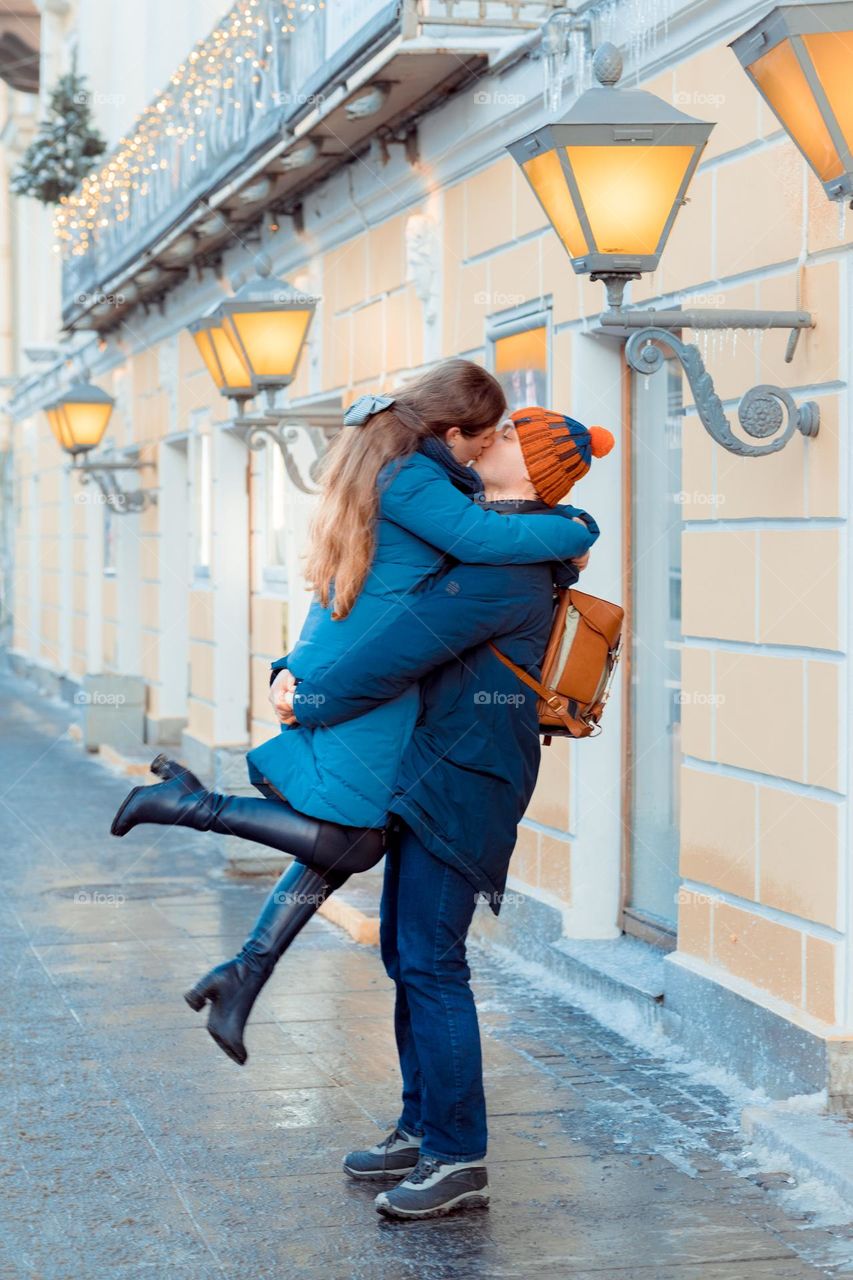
{"type": "Point", "coordinates": [103, 475]}
{"type": "Point", "coordinates": [283, 427]}
{"type": "Point", "coordinates": [765, 412]}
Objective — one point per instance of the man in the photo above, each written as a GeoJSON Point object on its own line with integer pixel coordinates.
{"type": "Point", "coordinates": [466, 779]}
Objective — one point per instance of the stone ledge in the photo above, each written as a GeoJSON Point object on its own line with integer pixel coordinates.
{"type": "Point", "coordinates": [818, 1146]}
{"type": "Point", "coordinates": [761, 1047]}
{"type": "Point", "coordinates": [631, 966]}
{"type": "Point", "coordinates": [360, 926]}
{"type": "Point", "coordinates": [131, 765]}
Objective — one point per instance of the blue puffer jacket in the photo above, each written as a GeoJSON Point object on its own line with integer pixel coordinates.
{"type": "Point", "coordinates": [346, 773]}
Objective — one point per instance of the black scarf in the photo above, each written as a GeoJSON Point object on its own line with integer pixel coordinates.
{"type": "Point", "coordinates": [461, 477]}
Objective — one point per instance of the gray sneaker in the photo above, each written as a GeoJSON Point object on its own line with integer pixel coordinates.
{"type": "Point", "coordinates": [393, 1157]}
{"type": "Point", "coordinates": [434, 1188]}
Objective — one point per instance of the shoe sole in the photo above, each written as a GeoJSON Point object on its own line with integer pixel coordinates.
{"type": "Point", "coordinates": [227, 1049]}
{"type": "Point", "coordinates": [386, 1174]}
{"type": "Point", "coordinates": [117, 819]}
{"type": "Point", "coordinates": [467, 1200]}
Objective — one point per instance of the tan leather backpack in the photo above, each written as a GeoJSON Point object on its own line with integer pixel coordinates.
{"type": "Point", "coordinates": [577, 670]}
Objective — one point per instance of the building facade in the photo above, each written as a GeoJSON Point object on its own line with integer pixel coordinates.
{"type": "Point", "coordinates": [365, 156]}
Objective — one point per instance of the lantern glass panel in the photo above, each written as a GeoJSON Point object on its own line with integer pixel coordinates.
{"type": "Point", "coordinates": [205, 348]}
{"type": "Point", "coordinates": [84, 424]}
{"type": "Point", "coordinates": [271, 340]}
{"type": "Point", "coordinates": [832, 55]}
{"type": "Point", "coordinates": [57, 427]}
{"type": "Point", "coordinates": [223, 359]}
{"type": "Point", "coordinates": [546, 177]}
{"type": "Point", "coordinates": [783, 82]}
{"type": "Point", "coordinates": [628, 192]}
{"type": "Point", "coordinates": [234, 370]}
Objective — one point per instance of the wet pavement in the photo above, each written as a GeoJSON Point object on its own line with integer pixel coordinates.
{"type": "Point", "coordinates": [132, 1147]}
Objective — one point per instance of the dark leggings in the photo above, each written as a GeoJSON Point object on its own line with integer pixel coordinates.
{"type": "Point", "coordinates": [330, 848]}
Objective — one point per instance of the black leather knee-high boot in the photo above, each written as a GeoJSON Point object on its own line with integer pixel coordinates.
{"type": "Point", "coordinates": [327, 854]}
{"type": "Point", "coordinates": [325, 846]}
{"type": "Point", "coordinates": [232, 988]}
{"type": "Point", "coordinates": [268, 822]}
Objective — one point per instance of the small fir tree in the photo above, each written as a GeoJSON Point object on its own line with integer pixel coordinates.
{"type": "Point", "coordinates": [65, 148]}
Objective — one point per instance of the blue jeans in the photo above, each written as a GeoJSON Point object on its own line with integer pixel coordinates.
{"type": "Point", "coordinates": [426, 911]}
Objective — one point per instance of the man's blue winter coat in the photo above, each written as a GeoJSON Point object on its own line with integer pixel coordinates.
{"type": "Point", "coordinates": [470, 768]}
{"type": "Point", "coordinates": [346, 773]}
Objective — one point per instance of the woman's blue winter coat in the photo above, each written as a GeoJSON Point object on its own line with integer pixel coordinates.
{"type": "Point", "coordinates": [346, 773]}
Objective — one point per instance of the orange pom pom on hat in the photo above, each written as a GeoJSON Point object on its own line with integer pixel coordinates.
{"type": "Point", "coordinates": [557, 449]}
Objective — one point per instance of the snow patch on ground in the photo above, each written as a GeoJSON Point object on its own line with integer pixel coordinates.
{"type": "Point", "coordinates": [810, 1199]}
{"type": "Point", "coordinates": [623, 1017]}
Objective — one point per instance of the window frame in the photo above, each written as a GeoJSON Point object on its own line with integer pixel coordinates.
{"type": "Point", "coordinates": [274, 576]}
{"type": "Point", "coordinates": [538, 313]}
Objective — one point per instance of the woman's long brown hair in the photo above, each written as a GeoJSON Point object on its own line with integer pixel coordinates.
{"type": "Point", "coordinates": [455, 393]}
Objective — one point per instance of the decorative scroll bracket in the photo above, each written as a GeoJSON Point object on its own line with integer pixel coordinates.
{"type": "Point", "coordinates": [103, 475]}
{"type": "Point", "coordinates": [283, 428]}
{"type": "Point", "coordinates": [764, 411]}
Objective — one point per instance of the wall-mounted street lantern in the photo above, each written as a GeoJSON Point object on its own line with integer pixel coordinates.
{"type": "Point", "coordinates": [611, 177]}
{"type": "Point", "coordinates": [78, 419]}
{"type": "Point", "coordinates": [251, 343]}
{"type": "Point", "coordinates": [799, 57]}
{"type": "Point", "coordinates": [612, 174]}
{"type": "Point", "coordinates": [82, 414]}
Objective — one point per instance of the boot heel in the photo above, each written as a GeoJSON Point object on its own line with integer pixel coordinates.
{"type": "Point", "coordinates": [195, 1000]}
{"type": "Point", "coordinates": [161, 766]}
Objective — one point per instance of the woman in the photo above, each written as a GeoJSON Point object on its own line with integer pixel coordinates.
{"type": "Point", "coordinates": [395, 502]}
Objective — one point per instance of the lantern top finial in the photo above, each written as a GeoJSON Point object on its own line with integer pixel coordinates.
{"type": "Point", "coordinates": [263, 265]}
{"type": "Point", "coordinates": [607, 64]}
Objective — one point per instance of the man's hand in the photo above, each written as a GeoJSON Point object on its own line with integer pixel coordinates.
{"type": "Point", "coordinates": [281, 696]}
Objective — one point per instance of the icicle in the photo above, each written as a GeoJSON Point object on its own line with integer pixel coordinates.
{"type": "Point", "coordinates": [637, 24]}
{"type": "Point", "coordinates": [564, 50]}
{"type": "Point", "coordinates": [734, 342]}
{"type": "Point", "coordinates": [842, 219]}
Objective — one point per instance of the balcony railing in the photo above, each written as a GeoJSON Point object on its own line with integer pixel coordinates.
{"type": "Point", "coordinates": [243, 94]}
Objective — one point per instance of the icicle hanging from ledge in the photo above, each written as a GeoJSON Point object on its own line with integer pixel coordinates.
{"type": "Point", "coordinates": [564, 47]}
{"type": "Point", "coordinates": [633, 25]}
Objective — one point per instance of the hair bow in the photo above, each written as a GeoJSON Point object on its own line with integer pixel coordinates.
{"type": "Point", "coordinates": [365, 407]}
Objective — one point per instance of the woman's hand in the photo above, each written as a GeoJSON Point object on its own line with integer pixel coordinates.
{"type": "Point", "coordinates": [281, 696]}
{"type": "Point", "coordinates": [580, 562]}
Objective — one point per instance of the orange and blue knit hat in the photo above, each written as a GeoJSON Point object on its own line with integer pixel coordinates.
{"type": "Point", "coordinates": [557, 450]}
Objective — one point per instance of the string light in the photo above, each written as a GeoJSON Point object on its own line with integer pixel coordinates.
{"type": "Point", "coordinates": [221, 79]}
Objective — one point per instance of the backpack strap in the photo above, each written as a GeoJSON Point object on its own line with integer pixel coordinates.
{"type": "Point", "coordinates": [549, 696]}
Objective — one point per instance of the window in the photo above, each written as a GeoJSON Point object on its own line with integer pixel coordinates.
{"type": "Point", "coordinates": [656, 647]}
{"type": "Point", "coordinates": [519, 344]}
{"type": "Point", "coordinates": [202, 499]}
{"type": "Point", "coordinates": [275, 519]}
{"type": "Point", "coordinates": [109, 539]}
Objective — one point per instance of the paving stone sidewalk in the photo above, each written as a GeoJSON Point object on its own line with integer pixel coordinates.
{"type": "Point", "coordinates": [133, 1148]}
